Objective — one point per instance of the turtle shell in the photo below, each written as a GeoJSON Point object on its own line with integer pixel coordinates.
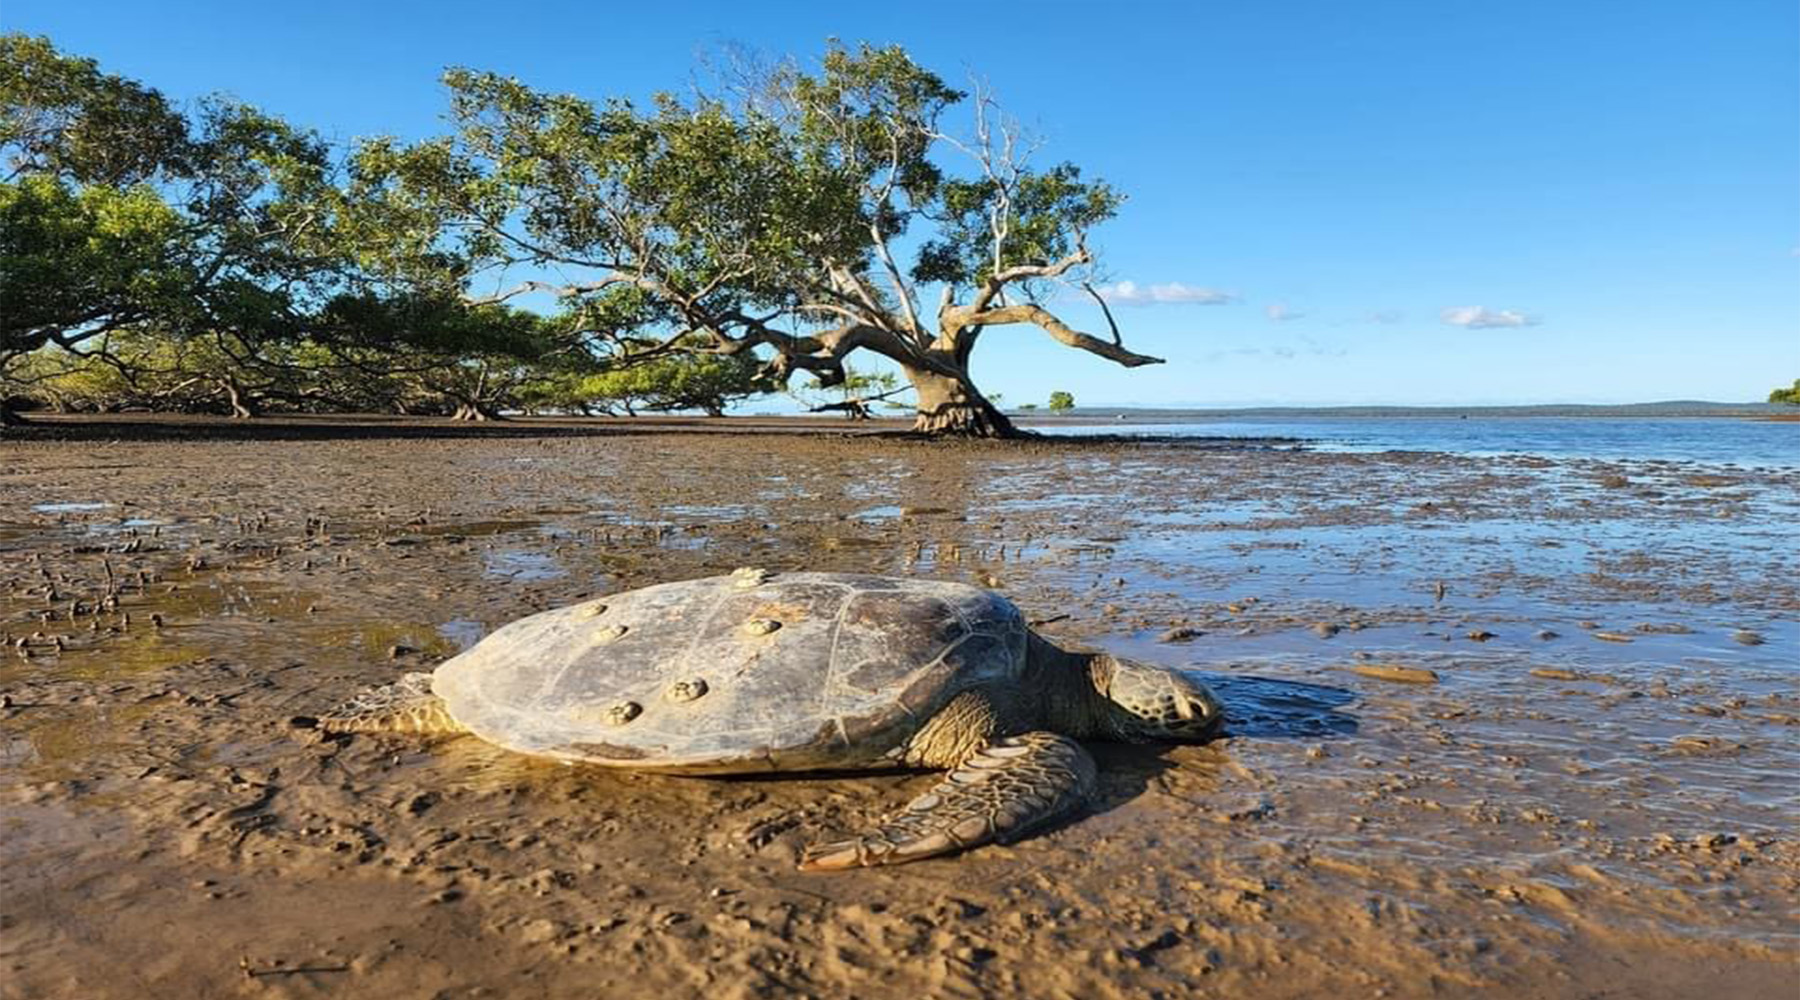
{"type": "Point", "coordinates": [748, 672]}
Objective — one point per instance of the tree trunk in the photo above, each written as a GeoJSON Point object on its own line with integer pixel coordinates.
{"type": "Point", "coordinates": [951, 406]}
{"type": "Point", "coordinates": [10, 417]}
{"type": "Point", "coordinates": [468, 410]}
{"type": "Point", "coordinates": [242, 406]}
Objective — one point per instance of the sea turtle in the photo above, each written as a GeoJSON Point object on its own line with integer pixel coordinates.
{"type": "Point", "coordinates": [757, 672]}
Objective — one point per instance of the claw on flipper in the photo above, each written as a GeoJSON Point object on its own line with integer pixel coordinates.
{"type": "Point", "coordinates": [1000, 793]}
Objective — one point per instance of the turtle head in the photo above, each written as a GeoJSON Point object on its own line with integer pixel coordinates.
{"type": "Point", "coordinates": [1151, 703]}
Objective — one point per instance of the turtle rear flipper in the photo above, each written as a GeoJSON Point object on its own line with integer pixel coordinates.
{"type": "Point", "coordinates": [405, 706]}
{"type": "Point", "coordinates": [999, 794]}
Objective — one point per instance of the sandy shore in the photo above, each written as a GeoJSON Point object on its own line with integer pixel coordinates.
{"type": "Point", "coordinates": [1592, 798]}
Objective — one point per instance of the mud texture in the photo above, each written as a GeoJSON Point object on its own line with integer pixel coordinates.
{"type": "Point", "coordinates": [1511, 725]}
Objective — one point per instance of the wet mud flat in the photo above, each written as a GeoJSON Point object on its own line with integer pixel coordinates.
{"type": "Point", "coordinates": [1513, 725]}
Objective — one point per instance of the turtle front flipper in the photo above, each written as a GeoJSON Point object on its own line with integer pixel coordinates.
{"type": "Point", "coordinates": [998, 794]}
{"type": "Point", "coordinates": [405, 706]}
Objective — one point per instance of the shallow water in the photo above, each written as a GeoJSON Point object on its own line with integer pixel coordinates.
{"type": "Point", "coordinates": [1712, 440]}
{"type": "Point", "coordinates": [1593, 795]}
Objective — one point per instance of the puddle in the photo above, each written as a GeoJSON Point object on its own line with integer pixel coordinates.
{"type": "Point", "coordinates": [68, 508]}
{"type": "Point", "coordinates": [126, 524]}
{"type": "Point", "coordinates": [474, 529]}
{"type": "Point", "coordinates": [375, 641]}
{"type": "Point", "coordinates": [63, 746]}
{"type": "Point", "coordinates": [521, 564]}
{"type": "Point", "coordinates": [462, 632]}
{"type": "Point", "coordinates": [712, 512]}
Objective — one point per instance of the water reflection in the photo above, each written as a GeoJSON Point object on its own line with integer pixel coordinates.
{"type": "Point", "coordinates": [1270, 708]}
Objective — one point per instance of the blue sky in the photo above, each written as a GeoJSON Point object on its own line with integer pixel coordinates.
{"type": "Point", "coordinates": [1430, 202]}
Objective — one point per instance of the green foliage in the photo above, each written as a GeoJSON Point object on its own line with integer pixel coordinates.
{"type": "Point", "coordinates": [1047, 213]}
{"type": "Point", "coordinates": [853, 393]}
{"type": "Point", "coordinates": [1790, 396]}
{"type": "Point", "coordinates": [98, 256]}
{"type": "Point", "coordinates": [145, 369]}
{"type": "Point", "coordinates": [1028, 406]}
{"type": "Point", "coordinates": [119, 210]}
{"type": "Point", "coordinates": [60, 115]}
{"type": "Point", "coordinates": [706, 246]}
{"type": "Point", "coordinates": [157, 259]}
{"type": "Point", "coordinates": [725, 215]}
{"type": "Point", "coordinates": [863, 383]}
{"type": "Point", "coordinates": [498, 355]}
{"type": "Point", "coordinates": [677, 381]}
{"type": "Point", "coordinates": [531, 178]}
{"type": "Point", "coordinates": [435, 324]}
{"type": "Point", "coordinates": [1061, 402]}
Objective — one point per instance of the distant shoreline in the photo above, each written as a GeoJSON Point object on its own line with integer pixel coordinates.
{"type": "Point", "coordinates": [1678, 408]}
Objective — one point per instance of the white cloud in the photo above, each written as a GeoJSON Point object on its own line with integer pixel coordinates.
{"type": "Point", "coordinates": [1308, 347]}
{"type": "Point", "coordinates": [1131, 293]}
{"type": "Point", "coordinates": [1483, 318]}
{"type": "Point", "coordinates": [1235, 352]}
{"type": "Point", "coordinates": [1280, 312]}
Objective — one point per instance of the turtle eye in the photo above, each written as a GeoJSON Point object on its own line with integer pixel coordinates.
{"type": "Point", "coordinates": [1203, 715]}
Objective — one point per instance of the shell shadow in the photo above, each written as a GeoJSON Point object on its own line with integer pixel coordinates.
{"type": "Point", "coordinates": [1127, 770]}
